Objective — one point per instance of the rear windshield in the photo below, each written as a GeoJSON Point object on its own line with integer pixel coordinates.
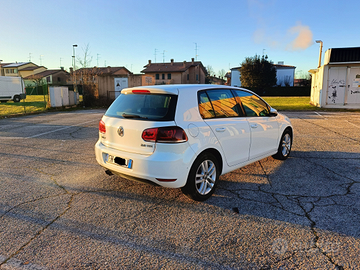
{"type": "Point", "coordinates": [159, 107]}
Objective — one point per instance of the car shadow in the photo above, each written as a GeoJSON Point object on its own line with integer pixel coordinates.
{"type": "Point", "coordinates": [319, 189]}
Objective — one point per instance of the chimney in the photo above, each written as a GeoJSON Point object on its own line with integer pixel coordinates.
{"type": "Point", "coordinates": [184, 64]}
{"type": "Point", "coordinates": [149, 62]}
{"type": "Point", "coordinates": [172, 61]}
{"type": "Point", "coordinates": [192, 60]}
{"type": "Point", "coordinates": [71, 70]}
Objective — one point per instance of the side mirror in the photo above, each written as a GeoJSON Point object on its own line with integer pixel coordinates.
{"type": "Point", "coordinates": [273, 112]}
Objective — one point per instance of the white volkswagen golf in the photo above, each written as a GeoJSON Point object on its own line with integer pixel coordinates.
{"type": "Point", "coordinates": [186, 136]}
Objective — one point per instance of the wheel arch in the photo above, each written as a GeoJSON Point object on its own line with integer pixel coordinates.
{"type": "Point", "coordinates": [290, 129]}
{"type": "Point", "coordinates": [216, 154]}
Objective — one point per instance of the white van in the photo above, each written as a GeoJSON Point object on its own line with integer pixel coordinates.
{"type": "Point", "coordinates": [12, 88]}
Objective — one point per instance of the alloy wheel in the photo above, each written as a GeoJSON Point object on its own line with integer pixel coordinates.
{"type": "Point", "coordinates": [286, 145]}
{"type": "Point", "coordinates": [205, 177]}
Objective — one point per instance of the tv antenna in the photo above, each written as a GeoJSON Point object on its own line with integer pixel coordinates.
{"type": "Point", "coordinates": [155, 54]}
{"type": "Point", "coordinates": [163, 56]}
{"type": "Point", "coordinates": [196, 51]}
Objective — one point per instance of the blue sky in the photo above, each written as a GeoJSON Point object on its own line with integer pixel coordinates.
{"type": "Point", "coordinates": [126, 33]}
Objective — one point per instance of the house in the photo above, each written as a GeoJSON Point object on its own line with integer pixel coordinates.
{"type": "Point", "coordinates": [302, 82]}
{"type": "Point", "coordinates": [22, 69]}
{"type": "Point", "coordinates": [235, 77]}
{"type": "Point", "coordinates": [215, 80]}
{"type": "Point", "coordinates": [228, 78]}
{"type": "Point", "coordinates": [108, 81]}
{"type": "Point", "coordinates": [50, 77]}
{"type": "Point", "coordinates": [336, 84]}
{"type": "Point", "coordinates": [284, 75]}
{"type": "Point", "coordinates": [174, 73]}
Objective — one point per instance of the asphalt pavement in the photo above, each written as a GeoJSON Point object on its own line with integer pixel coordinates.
{"type": "Point", "coordinates": [59, 210]}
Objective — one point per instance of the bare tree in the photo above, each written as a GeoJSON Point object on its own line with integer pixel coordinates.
{"type": "Point", "coordinates": [85, 60]}
{"type": "Point", "coordinates": [222, 73]}
{"type": "Point", "coordinates": [210, 70]}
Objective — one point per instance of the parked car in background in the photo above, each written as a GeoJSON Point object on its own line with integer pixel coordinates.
{"type": "Point", "coordinates": [11, 88]}
{"type": "Point", "coordinates": [186, 136]}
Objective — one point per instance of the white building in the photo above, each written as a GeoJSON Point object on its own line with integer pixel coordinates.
{"type": "Point", "coordinates": [336, 84]}
{"type": "Point", "coordinates": [284, 75]}
{"type": "Point", "coordinates": [235, 77]}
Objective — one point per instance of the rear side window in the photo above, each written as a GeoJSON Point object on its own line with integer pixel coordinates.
{"type": "Point", "coordinates": [218, 103]}
{"type": "Point", "coordinates": [159, 107]}
{"type": "Point", "coordinates": [253, 105]}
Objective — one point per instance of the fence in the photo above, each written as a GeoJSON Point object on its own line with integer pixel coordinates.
{"type": "Point", "coordinates": [37, 90]}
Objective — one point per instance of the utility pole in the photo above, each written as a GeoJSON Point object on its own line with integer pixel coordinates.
{"type": "Point", "coordinates": [321, 46]}
{"type": "Point", "coordinates": [74, 73]}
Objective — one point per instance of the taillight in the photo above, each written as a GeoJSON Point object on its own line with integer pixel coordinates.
{"type": "Point", "coordinates": [102, 127]}
{"type": "Point", "coordinates": [150, 134]}
{"type": "Point", "coordinates": [164, 134]}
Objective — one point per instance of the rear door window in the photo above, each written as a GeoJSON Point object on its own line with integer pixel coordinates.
{"type": "Point", "coordinates": [159, 107]}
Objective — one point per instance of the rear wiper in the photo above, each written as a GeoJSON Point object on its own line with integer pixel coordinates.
{"type": "Point", "coordinates": [132, 116]}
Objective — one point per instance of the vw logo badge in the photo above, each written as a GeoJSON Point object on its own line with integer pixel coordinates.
{"type": "Point", "coordinates": [120, 131]}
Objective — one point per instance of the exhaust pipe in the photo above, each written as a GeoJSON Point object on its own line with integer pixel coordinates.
{"type": "Point", "coordinates": [108, 172]}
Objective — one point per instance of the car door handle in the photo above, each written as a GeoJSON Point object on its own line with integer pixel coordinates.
{"type": "Point", "coordinates": [254, 126]}
{"type": "Point", "coordinates": [220, 129]}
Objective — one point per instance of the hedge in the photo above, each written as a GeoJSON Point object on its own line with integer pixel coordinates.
{"type": "Point", "coordinates": [296, 91]}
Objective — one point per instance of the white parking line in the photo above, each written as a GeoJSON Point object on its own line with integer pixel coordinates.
{"type": "Point", "coordinates": [352, 124]}
{"type": "Point", "coordinates": [44, 133]}
{"type": "Point", "coordinates": [52, 131]}
{"type": "Point", "coordinates": [320, 115]}
{"type": "Point", "coordinates": [15, 264]}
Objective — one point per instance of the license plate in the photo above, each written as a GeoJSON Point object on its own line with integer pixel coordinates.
{"type": "Point", "coordinates": [119, 161]}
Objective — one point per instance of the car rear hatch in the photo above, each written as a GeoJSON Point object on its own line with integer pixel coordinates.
{"type": "Point", "coordinates": [133, 112]}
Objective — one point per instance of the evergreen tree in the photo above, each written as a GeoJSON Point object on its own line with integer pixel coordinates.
{"type": "Point", "coordinates": [257, 72]}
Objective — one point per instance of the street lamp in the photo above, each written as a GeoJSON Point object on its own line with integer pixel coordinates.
{"type": "Point", "coordinates": [321, 45]}
{"type": "Point", "coordinates": [74, 74]}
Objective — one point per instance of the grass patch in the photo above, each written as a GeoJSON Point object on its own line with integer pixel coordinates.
{"type": "Point", "coordinates": [31, 104]}
{"type": "Point", "coordinates": [290, 103]}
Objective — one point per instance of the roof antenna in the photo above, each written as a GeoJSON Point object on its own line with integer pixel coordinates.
{"type": "Point", "coordinates": [155, 54]}
{"type": "Point", "coordinates": [196, 49]}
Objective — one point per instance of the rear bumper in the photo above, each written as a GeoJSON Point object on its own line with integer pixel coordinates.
{"type": "Point", "coordinates": [168, 162]}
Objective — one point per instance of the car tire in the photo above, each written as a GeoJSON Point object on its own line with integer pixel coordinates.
{"type": "Point", "coordinates": [16, 99]}
{"type": "Point", "coordinates": [203, 178]}
{"type": "Point", "coordinates": [284, 146]}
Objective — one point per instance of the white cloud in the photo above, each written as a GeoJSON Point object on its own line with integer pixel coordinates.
{"type": "Point", "coordinates": [303, 39]}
